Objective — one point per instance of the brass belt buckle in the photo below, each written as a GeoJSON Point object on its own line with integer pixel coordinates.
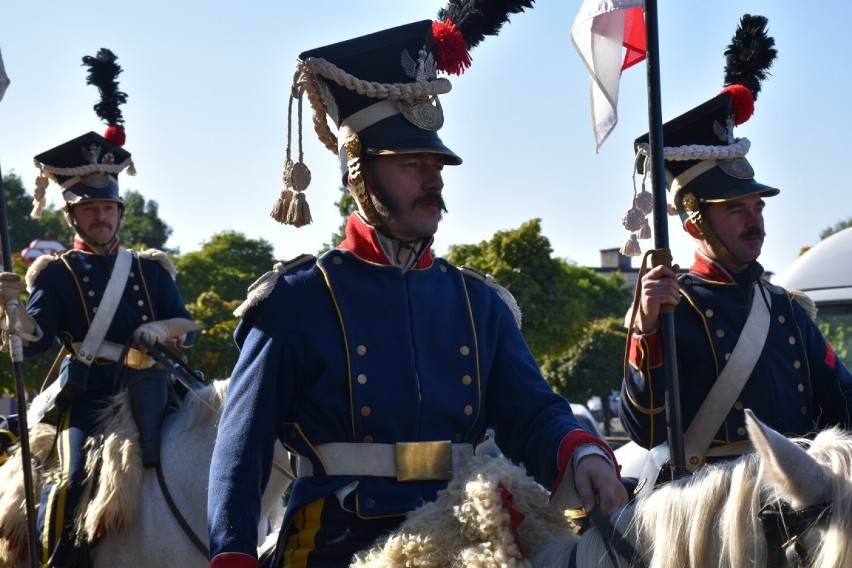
{"type": "Point", "coordinates": [424, 461]}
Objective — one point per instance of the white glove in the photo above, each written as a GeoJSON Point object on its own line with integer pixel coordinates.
{"type": "Point", "coordinates": [11, 287]}
{"type": "Point", "coordinates": [159, 331]}
{"type": "Point", "coordinates": [16, 319]}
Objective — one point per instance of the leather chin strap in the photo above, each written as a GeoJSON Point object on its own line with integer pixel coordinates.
{"type": "Point", "coordinates": [693, 210]}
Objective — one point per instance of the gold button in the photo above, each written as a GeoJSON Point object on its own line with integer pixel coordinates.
{"type": "Point", "coordinates": [693, 460]}
{"type": "Point", "coordinates": [468, 410]}
{"type": "Point", "coordinates": [337, 260]}
{"type": "Point", "coordinates": [781, 319]}
{"type": "Point", "coordinates": [368, 439]}
{"type": "Point", "coordinates": [365, 411]}
{"type": "Point", "coordinates": [738, 405]}
{"type": "Point", "coordinates": [95, 310]}
{"type": "Point", "coordinates": [144, 318]}
{"type": "Point", "coordinates": [362, 379]}
{"type": "Point", "coordinates": [805, 410]}
{"type": "Point", "coordinates": [741, 431]}
{"type": "Point", "coordinates": [140, 303]}
{"type": "Point", "coordinates": [801, 387]}
{"type": "Point", "coordinates": [85, 278]}
{"type": "Point", "coordinates": [727, 356]}
{"type": "Point", "coordinates": [792, 340]}
{"type": "Point", "coordinates": [132, 274]}
{"type": "Point", "coordinates": [708, 313]}
{"type": "Point", "coordinates": [91, 293]}
{"type": "Point", "coordinates": [136, 286]}
{"type": "Point", "coordinates": [466, 380]}
{"type": "Point", "coordinates": [464, 350]}
{"type": "Point", "coordinates": [442, 268]}
{"type": "Point", "coordinates": [361, 350]}
{"type": "Point", "coordinates": [797, 364]}
{"type": "Point", "coordinates": [720, 333]}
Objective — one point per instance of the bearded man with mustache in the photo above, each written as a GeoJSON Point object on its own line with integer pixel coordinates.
{"type": "Point", "coordinates": [783, 369]}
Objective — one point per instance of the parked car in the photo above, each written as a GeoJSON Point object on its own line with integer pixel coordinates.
{"type": "Point", "coordinates": [587, 421]}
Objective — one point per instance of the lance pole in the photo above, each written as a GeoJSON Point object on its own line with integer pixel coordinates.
{"type": "Point", "coordinates": [16, 349]}
{"type": "Point", "coordinates": [674, 424]}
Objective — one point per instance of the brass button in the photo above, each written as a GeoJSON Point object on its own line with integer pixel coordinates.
{"type": "Point", "coordinates": [464, 350]}
{"type": "Point", "coordinates": [136, 287]}
{"type": "Point", "coordinates": [804, 410]}
{"type": "Point", "coordinates": [85, 278]}
{"type": "Point", "coordinates": [95, 310]}
{"type": "Point", "coordinates": [720, 333]}
{"type": "Point", "coordinates": [442, 268]}
{"type": "Point", "coordinates": [708, 313]}
{"type": "Point", "coordinates": [362, 379]}
{"type": "Point", "coordinates": [91, 293]}
{"type": "Point", "coordinates": [792, 340]}
{"type": "Point", "coordinates": [132, 274]}
{"type": "Point", "coordinates": [781, 318]}
{"type": "Point", "coordinates": [738, 405]}
{"type": "Point", "coordinates": [361, 350]}
{"type": "Point", "coordinates": [365, 411]}
{"type": "Point", "coordinates": [368, 439]}
{"type": "Point", "coordinates": [741, 431]}
{"type": "Point", "coordinates": [797, 364]}
{"type": "Point", "coordinates": [466, 380]}
{"type": "Point", "coordinates": [727, 356]}
{"type": "Point", "coordinates": [801, 387]}
{"type": "Point", "coordinates": [140, 303]}
{"type": "Point", "coordinates": [693, 460]}
{"type": "Point", "coordinates": [144, 318]}
{"type": "Point", "coordinates": [468, 410]}
{"type": "Point", "coordinates": [337, 260]}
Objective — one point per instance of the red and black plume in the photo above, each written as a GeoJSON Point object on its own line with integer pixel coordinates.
{"type": "Point", "coordinates": [103, 73]}
{"type": "Point", "coordinates": [464, 23]}
{"type": "Point", "coordinates": [747, 61]}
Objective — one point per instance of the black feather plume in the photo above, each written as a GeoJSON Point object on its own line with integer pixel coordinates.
{"type": "Point", "coordinates": [750, 54]}
{"type": "Point", "coordinates": [479, 18]}
{"type": "Point", "coordinates": [103, 72]}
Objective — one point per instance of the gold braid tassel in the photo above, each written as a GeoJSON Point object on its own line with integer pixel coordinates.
{"type": "Point", "coordinates": [39, 196]}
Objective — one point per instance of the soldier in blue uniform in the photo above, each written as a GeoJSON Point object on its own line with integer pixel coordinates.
{"type": "Point", "coordinates": [379, 365]}
{"type": "Point", "coordinates": [793, 381]}
{"type": "Point", "coordinates": [65, 295]}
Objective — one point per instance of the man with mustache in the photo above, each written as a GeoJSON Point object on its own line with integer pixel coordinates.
{"type": "Point", "coordinates": [93, 300]}
{"type": "Point", "coordinates": [379, 365]}
{"type": "Point", "coordinates": [783, 369]}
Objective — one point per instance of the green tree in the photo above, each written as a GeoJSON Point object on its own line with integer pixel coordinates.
{"type": "Point", "coordinates": [225, 265]}
{"type": "Point", "coordinates": [214, 351]}
{"type": "Point", "coordinates": [345, 206]}
{"type": "Point", "coordinates": [837, 227]}
{"type": "Point", "coordinates": [141, 226]}
{"type": "Point", "coordinates": [23, 228]}
{"type": "Point", "coordinates": [557, 298]}
{"type": "Point", "coordinates": [592, 366]}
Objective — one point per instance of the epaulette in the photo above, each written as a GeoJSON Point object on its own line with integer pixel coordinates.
{"type": "Point", "coordinates": [504, 294]}
{"type": "Point", "coordinates": [262, 287]}
{"type": "Point", "coordinates": [36, 267]}
{"type": "Point", "coordinates": [159, 256]}
{"type": "Point", "coordinates": [805, 301]}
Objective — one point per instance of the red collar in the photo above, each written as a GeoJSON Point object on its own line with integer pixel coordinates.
{"type": "Point", "coordinates": [710, 270]}
{"type": "Point", "coordinates": [363, 241]}
{"type": "Point", "coordinates": [80, 244]}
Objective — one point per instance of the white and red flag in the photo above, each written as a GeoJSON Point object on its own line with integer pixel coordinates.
{"type": "Point", "coordinates": [4, 79]}
{"type": "Point", "coordinates": [600, 31]}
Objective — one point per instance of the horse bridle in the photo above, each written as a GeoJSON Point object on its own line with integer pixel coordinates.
{"type": "Point", "coordinates": [616, 544]}
{"type": "Point", "coordinates": [784, 526]}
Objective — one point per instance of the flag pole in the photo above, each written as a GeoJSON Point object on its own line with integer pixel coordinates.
{"type": "Point", "coordinates": [17, 352]}
{"type": "Point", "coordinates": [674, 423]}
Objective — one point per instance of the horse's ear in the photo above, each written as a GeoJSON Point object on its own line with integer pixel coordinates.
{"type": "Point", "coordinates": [797, 477]}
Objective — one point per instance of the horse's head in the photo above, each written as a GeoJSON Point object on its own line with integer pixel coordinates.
{"type": "Point", "coordinates": [808, 512]}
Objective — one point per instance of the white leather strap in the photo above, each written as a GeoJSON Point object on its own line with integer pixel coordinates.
{"type": "Point", "coordinates": [730, 382]}
{"type": "Point", "coordinates": [379, 460]}
{"type": "Point", "coordinates": [112, 295]}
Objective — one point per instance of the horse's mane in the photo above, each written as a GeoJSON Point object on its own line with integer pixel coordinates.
{"type": "Point", "coordinates": [711, 518]}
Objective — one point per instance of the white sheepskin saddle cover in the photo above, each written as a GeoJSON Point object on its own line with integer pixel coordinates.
{"type": "Point", "coordinates": [491, 514]}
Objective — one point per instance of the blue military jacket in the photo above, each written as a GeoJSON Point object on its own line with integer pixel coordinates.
{"type": "Point", "coordinates": [797, 386]}
{"type": "Point", "coordinates": [347, 348]}
{"type": "Point", "coordinates": [67, 289]}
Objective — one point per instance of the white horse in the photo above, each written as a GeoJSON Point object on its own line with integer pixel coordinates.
{"type": "Point", "coordinates": [128, 512]}
{"type": "Point", "coordinates": [802, 488]}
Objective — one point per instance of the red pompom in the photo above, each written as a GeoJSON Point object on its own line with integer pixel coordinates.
{"type": "Point", "coordinates": [115, 135]}
{"type": "Point", "coordinates": [451, 53]}
{"type": "Point", "coordinates": [742, 102]}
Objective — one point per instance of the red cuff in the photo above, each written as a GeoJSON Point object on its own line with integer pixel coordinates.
{"type": "Point", "coordinates": [645, 347]}
{"type": "Point", "coordinates": [570, 443]}
{"type": "Point", "coordinates": [233, 560]}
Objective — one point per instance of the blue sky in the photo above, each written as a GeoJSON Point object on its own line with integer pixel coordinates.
{"type": "Point", "coordinates": [206, 116]}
